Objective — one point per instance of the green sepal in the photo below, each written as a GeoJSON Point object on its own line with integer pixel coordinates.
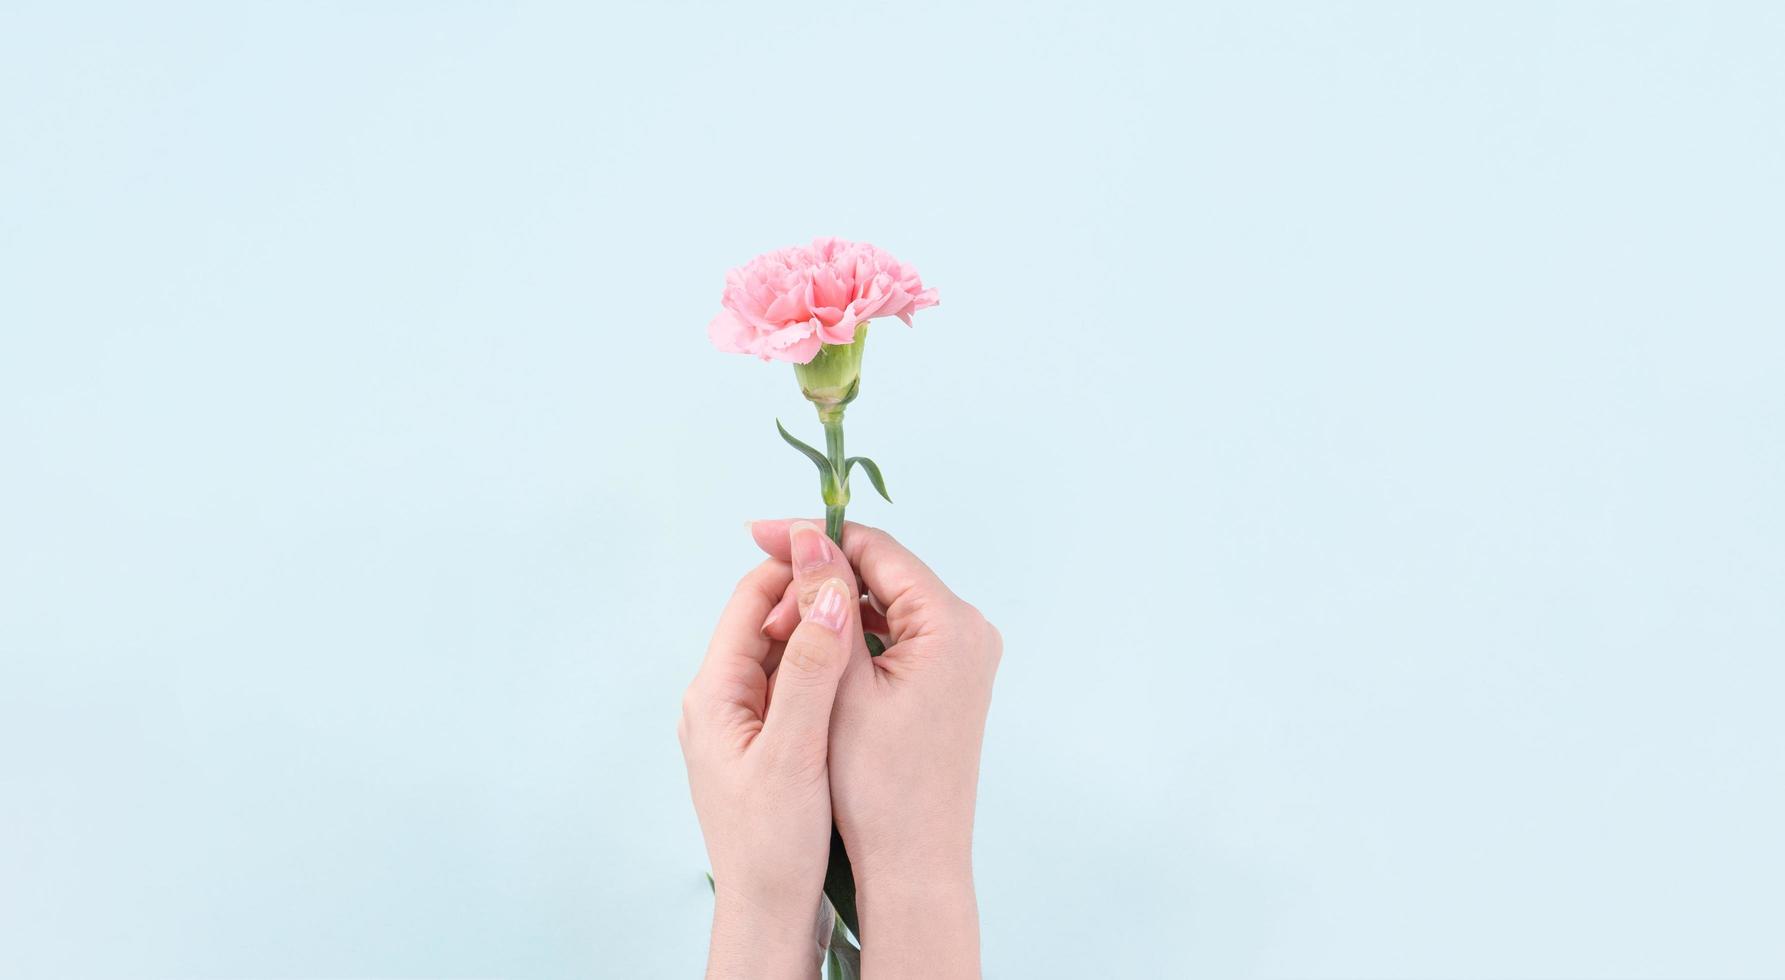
{"type": "Point", "coordinates": [824, 465]}
{"type": "Point", "coordinates": [873, 474]}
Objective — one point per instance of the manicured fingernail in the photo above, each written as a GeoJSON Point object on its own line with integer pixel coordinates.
{"type": "Point", "coordinates": [830, 608]}
{"type": "Point", "coordinates": [811, 549]}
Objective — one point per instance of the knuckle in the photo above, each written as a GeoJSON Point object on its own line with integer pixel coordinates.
{"type": "Point", "coordinates": [696, 704]}
{"type": "Point", "coordinates": [969, 616]}
{"type": "Point", "coordinates": [866, 544]}
{"type": "Point", "coordinates": [990, 640]}
{"type": "Point", "coordinates": [807, 660]}
{"type": "Point", "coordinates": [918, 604]}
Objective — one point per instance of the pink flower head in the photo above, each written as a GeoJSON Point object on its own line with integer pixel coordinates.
{"type": "Point", "coordinates": [785, 305]}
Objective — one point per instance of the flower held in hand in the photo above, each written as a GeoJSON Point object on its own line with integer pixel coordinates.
{"type": "Point", "coordinates": [787, 304]}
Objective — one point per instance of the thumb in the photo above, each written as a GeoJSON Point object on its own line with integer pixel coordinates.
{"type": "Point", "coordinates": [806, 681]}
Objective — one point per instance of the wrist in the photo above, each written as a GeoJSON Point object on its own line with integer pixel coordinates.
{"type": "Point", "coordinates": [918, 897]}
{"type": "Point", "coordinates": [941, 865]}
{"type": "Point", "coordinates": [920, 925]}
{"type": "Point", "coordinates": [761, 942]}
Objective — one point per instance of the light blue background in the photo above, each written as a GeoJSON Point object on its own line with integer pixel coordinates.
{"type": "Point", "coordinates": [1366, 423]}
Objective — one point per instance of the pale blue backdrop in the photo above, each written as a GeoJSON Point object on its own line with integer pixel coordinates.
{"type": "Point", "coordinates": [1366, 423]}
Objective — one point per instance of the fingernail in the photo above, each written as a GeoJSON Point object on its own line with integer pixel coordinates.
{"type": "Point", "coordinates": [831, 607]}
{"type": "Point", "coordinates": [775, 614]}
{"type": "Point", "coordinates": [811, 549]}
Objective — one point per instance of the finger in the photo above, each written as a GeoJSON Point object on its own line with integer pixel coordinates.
{"type": "Point", "coordinates": [733, 668]}
{"type": "Point", "coordinates": [815, 560]}
{"type": "Point", "coordinates": [786, 616]}
{"type": "Point", "coordinates": [771, 535]}
{"type": "Point", "coordinates": [895, 576]}
{"type": "Point", "coordinates": [811, 666]}
{"type": "Point", "coordinates": [739, 633]}
{"type": "Point", "coordinates": [873, 620]}
{"type": "Point", "coordinates": [770, 664]}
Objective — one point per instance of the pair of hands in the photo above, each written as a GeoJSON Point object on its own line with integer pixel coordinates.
{"type": "Point", "coordinates": [790, 725]}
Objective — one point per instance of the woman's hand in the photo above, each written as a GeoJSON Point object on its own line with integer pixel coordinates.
{"type": "Point", "coordinates": [904, 744]}
{"type": "Point", "coordinates": [754, 730]}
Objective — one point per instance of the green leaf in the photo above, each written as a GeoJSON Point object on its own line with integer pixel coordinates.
{"type": "Point", "coordinates": [824, 465]}
{"type": "Point", "coordinates": [873, 474]}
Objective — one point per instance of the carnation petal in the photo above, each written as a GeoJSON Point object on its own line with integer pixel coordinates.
{"type": "Point", "coordinates": [843, 332]}
{"type": "Point", "coordinates": [730, 334]}
{"type": "Point", "coordinates": [829, 289]}
{"type": "Point", "coordinates": [789, 307]}
{"type": "Point", "coordinates": [789, 335]}
{"type": "Point", "coordinates": [785, 305]}
{"type": "Point", "coordinates": [800, 352]}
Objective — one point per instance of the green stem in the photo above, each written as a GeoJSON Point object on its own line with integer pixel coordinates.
{"type": "Point", "coordinates": [836, 497]}
{"type": "Point", "coordinates": [839, 877]}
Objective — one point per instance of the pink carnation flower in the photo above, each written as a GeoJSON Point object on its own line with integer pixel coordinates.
{"type": "Point", "coordinates": [785, 305]}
